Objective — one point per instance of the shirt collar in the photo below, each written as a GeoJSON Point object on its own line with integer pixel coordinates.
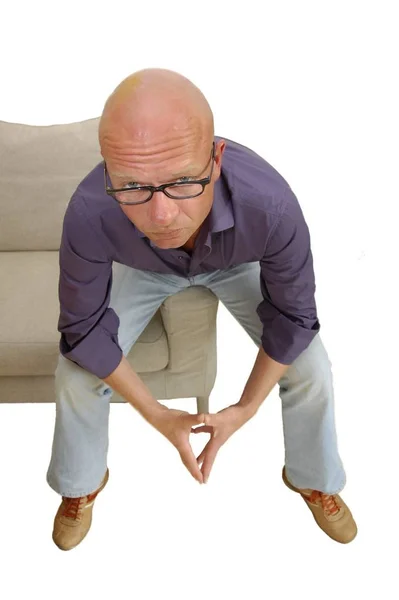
{"type": "Point", "coordinates": [220, 216]}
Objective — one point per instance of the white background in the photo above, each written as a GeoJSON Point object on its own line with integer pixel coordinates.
{"type": "Point", "coordinates": [311, 87]}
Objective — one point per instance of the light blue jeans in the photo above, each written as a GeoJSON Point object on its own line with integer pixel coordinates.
{"type": "Point", "coordinates": [80, 445]}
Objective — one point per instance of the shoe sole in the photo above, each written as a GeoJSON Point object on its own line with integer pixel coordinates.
{"type": "Point", "coordinates": [289, 485]}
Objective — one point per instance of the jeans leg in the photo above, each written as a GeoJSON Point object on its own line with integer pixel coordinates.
{"type": "Point", "coordinates": [80, 444]}
{"type": "Point", "coordinates": [312, 458]}
{"type": "Point", "coordinates": [306, 389]}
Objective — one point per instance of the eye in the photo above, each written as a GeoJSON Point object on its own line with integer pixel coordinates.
{"type": "Point", "coordinates": [185, 179]}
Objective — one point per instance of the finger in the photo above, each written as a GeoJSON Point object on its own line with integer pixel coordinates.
{"type": "Point", "coordinates": [211, 419]}
{"type": "Point", "coordinates": [188, 458]}
{"type": "Point", "coordinates": [197, 419]}
{"type": "Point", "coordinates": [201, 457]}
{"type": "Point", "coordinates": [202, 429]}
{"type": "Point", "coordinates": [207, 418]}
{"type": "Point", "coordinates": [212, 448]}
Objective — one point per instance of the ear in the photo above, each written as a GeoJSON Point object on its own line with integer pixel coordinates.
{"type": "Point", "coordinates": [219, 149]}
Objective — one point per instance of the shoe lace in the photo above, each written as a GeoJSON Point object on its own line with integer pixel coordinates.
{"type": "Point", "coordinates": [328, 501]}
{"type": "Point", "coordinates": [73, 507]}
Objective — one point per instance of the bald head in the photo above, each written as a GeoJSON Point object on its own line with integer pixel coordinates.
{"type": "Point", "coordinates": [153, 105]}
{"type": "Point", "coordinates": [157, 128]}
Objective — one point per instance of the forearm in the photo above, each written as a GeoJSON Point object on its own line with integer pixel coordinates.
{"type": "Point", "coordinates": [125, 381]}
{"type": "Point", "coordinates": [265, 374]}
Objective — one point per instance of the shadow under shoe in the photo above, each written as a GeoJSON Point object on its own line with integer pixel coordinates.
{"type": "Point", "coordinates": [329, 511]}
{"type": "Point", "coordinates": [73, 519]}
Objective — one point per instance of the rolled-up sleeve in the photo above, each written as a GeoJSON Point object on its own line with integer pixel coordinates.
{"type": "Point", "coordinates": [88, 327]}
{"type": "Point", "coordinates": [288, 311]}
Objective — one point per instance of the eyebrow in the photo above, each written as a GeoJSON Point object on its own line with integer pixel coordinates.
{"type": "Point", "coordinates": [188, 172]}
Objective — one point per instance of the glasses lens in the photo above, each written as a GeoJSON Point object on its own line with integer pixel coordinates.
{"type": "Point", "coordinates": [183, 191]}
{"type": "Point", "coordinates": [175, 191]}
{"type": "Point", "coordinates": [132, 196]}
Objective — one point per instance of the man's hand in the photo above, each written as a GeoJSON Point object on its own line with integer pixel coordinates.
{"type": "Point", "coordinates": [221, 426]}
{"type": "Point", "coordinates": [176, 426]}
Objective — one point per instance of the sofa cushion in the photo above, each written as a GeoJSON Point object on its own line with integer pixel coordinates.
{"type": "Point", "coordinates": [41, 167]}
{"type": "Point", "coordinates": [29, 309]}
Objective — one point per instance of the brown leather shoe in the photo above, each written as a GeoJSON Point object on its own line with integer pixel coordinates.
{"type": "Point", "coordinates": [330, 512]}
{"type": "Point", "coordinates": [73, 519]}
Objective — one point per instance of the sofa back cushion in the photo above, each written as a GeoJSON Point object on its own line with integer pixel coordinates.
{"type": "Point", "coordinates": [40, 168]}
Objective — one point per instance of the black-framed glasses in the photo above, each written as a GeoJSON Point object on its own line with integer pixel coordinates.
{"type": "Point", "coordinates": [133, 194]}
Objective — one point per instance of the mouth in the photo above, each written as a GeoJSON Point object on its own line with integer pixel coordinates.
{"type": "Point", "coordinates": [169, 234]}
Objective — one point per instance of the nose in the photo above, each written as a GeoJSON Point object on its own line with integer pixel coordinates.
{"type": "Point", "coordinates": [163, 210]}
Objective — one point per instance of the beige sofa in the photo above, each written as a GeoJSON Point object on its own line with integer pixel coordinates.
{"type": "Point", "coordinates": [40, 167]}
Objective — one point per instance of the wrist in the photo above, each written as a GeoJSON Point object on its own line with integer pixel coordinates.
{"type": "Point", "coordinates": [248, 409]}
{"type": "Point", "coordinates": [153, 409]}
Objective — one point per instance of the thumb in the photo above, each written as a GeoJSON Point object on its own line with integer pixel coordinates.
{"type": "Point", "coordinates": [198, 418]}
{"type": "Point", "coordinates": [209, 419]}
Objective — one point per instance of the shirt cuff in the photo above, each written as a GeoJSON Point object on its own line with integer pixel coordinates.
{"type": "Point", "coordinates": [97, 353]}
{"type": "Point", "coordinates": [284, 340]}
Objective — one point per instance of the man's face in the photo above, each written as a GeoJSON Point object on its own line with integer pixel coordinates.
{"type": "Point", "coordinates": [167, 222]}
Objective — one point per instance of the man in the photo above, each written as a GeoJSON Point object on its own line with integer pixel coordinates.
{"type": "Point", "coordinates": [237, 229]}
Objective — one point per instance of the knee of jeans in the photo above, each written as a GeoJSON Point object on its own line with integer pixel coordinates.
{"type": "Point", "coordinates": [314, 370]}
{"type": "Point", "coordinates": [69, 373]}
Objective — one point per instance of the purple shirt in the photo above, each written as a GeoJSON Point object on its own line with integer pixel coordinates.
{"type": "Point", "coordinates": [255, 216]}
